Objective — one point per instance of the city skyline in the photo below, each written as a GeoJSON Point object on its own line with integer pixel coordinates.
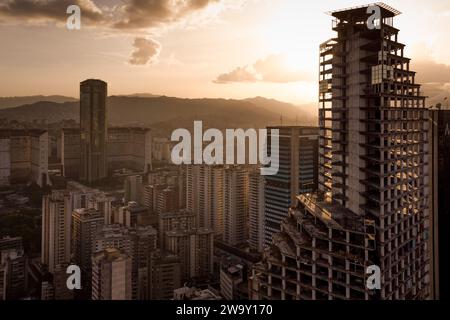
{"type": "Point", "coordinates": [187, 48]}
{"type": "Point", "coordinates": [106, 197]}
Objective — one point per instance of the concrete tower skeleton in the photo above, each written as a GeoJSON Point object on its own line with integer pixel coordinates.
{"type": "Point", "coordinates": [372, 207]}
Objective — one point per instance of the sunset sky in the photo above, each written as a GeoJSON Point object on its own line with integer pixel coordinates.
{"type": "Point", "coordinates": [195, 48]}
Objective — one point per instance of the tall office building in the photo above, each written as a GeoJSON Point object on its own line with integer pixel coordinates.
{"type": "Point", "coordinates": [93, 130]}
{"type": "Point", "coordinates": [204, 195]}
{"type": "Point", "coordinates": [298, 148]}
{"type": "Point", "coordinates": [440, 182]}
{"type": "Point", "coordinates": [372, 203]}
{"type": "Point", "coordinates": [111, 275]}
{"type": "Point", "coordinates": [56, 223]}
{"type": "Point", "coordinates": [256, 210]}
{"type": "Point", "coordinates": [235, 200]}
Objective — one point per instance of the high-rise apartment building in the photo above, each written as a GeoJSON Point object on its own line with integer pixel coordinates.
{"type": "Point", "coordinates": [204, 195]}
{"type": "Point", "coordinates": [256, 210]}
{"type": "Point", "coordinates": [133, 188]}
{"type": "Point", "coordinates": [111, 275]}
{"type": "Point", "coordinates": [176, 220]}
{"type": "Point", "coordinates": [164, 275]}
{"type": "Point", "coordinates": [93, 130]}
{"type": "Point", "coordinates": [298, 149]}
{"type": "Point", "coordinates": [194, 247]}
{"type": "Point", "coordinates": [130, 215]}
{"type": "Point", "coordinates": [235, 201]}
{"type": "Point", "coordinates": [56, 235]}
{"type": "Point", "coordinates": [372, 205]}
{"type": "Point", "coordinates": [86, 223]}
{"type": "Point", "coordinates": [138, 243]}
{"type": "Point", "coordinates": [165, 190]}
{"type": "Point", "coordinates": [440, 182]}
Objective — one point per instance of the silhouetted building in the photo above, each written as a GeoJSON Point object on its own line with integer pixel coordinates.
{"type": "Point", "coordinates": [93, 130]}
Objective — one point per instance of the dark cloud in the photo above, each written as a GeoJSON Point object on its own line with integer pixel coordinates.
{"type": "Point", "coordinates": [274, 68]}
{"type": "Point", "coordinates": [145, 51]}
{"type": "Point", "coordinates": [141, 14]}
{"type": "Point", "coordinates": [22, 11]}
{"type": "Point", "coordinates": [131, 15]}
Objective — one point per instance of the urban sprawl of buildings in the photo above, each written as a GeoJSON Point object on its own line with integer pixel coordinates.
{"type": "Point", "coordinates": [367, 187]}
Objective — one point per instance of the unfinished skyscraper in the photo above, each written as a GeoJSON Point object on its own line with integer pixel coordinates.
{"type": "Point", "coordinates": [372, 203]}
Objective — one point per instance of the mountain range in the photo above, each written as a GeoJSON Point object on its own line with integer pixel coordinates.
{"type": "Point", "coordinates": [167, 112]}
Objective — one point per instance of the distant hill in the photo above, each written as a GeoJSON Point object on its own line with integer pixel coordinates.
{"type": "Point", "coordinates": [10, 102]}
{"type": "Point", "coordinates": [168, 112]}
{"type": "Point", "coordinates": [139, 95]}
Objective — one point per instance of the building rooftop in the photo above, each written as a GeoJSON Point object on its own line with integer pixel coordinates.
{"type": "Point", "coordinates": [331, 214]}
{"type": "Point", "coordinates": [110, 254]}
{"type": "Point", "coordinates": [361, 11]}
{"type": "Point", "coordinates": [93, 82]}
